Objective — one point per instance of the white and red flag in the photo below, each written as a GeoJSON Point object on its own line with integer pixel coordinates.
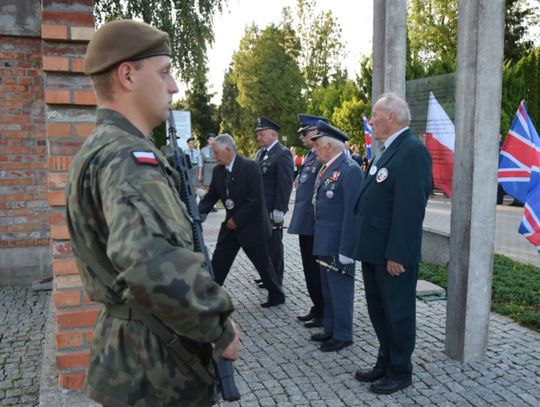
{"type": "Point", "coordinates": [440, 138]}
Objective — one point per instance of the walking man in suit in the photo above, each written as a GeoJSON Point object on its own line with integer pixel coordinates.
{"type": "Point", "coordinates": [303, 219]}
{"type": "Point", "coordinates": [236, 181]}
{"type": "Point", "coordinates": [277, 168]}
{"type": "Point", "coordinates": [388, 228]}
{"type": "Point", "coordinates": [335, 193]}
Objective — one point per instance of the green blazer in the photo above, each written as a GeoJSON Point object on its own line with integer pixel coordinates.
{"type": "Point", "coordinates": [391, 205]}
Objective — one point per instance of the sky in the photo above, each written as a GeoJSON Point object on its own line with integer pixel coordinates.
{"type": "Point", "coordinates": [354, 17]}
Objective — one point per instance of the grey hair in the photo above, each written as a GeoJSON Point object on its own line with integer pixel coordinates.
{"type": "Point", "coordinates": [336, 144]}
{"type": "Point", "coordinates": [393, 103]}
{"type": "Point", "coordinates": [225, 141]}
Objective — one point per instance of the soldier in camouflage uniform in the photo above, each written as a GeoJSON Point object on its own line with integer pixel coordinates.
{"type": "Point", "coordinates": [132, 235]}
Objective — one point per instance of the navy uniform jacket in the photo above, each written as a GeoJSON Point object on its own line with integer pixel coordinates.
{"type": "Point", "coordinates": [337, 194]}
{"type": "Point", "coordinates": [302, 220]}
{"type": "Point", "coordinates": [392, 202]}
{"type": "Point", "coordinates": [277, 169]}
{"type": "Point", "coordinates": [245, 190]}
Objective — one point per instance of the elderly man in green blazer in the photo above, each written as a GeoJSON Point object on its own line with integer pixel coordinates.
{"type": "Point", "coordinates": [388, 228]}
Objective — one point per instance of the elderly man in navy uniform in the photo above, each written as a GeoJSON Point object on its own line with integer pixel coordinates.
{"type": "Point", "coordinates": [336, 191]}
{"type": "Point", "coordinates": [303, 219]}
{"type": "Point", "coordinates": [277, 168]}
{"type": "Point", "coordinates": [388, 228]}
{"type": "Point", "coordinates": [237, 182]}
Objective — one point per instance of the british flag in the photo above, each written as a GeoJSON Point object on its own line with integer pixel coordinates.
{"type": "Point", "coordinates": [519, 171]}
{"type": "Point", "coordinates": [367, 136]}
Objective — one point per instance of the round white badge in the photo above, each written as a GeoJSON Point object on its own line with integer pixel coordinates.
{"type": "Point", "coordinates": [329, 194]}
{"type": "Point", "coordinates": [229, 204]}
{"type": "Point", "coordinates": [382, 175]}
{"type": "Point", "coordinates": [373, 170]}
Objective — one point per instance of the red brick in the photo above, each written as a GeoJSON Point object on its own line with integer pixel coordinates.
{"type": "Point", "coordinates": [77, 65]}
{"type": "Point", "coordinates": [55, 63]}
{"type": "Point", "coordinates": [62, 267]}
{"type": "Point", "coordinates": [54, 32]}
{"type": "Point", "coordinates": [64, 147]}
{"type": "Point", "coordinates": [67, 298]}
{"type": "Point", "coordinates": [85, 98]}
{"type": "Point", "coordinates": [71, 380]}
{"type": "Point", "coordinates": [61, 248]}
{"type": "Point", "coordinates": [77, 319]}
{"type": "Point", "coordinates": [56, 97]}
{"type": "Point", "coordinates": [72, 359]}
{"type": "Point", "coordinates": [69, 339]}
{"type": "Point", "coordinates": [59, 232]}
{"type": "Point", "coordinates": [84, 129]}
{"type": "Point", "coordinates": [90, 336]}
{"type": "Point", "coordinates": [68, 18]}
{"type": "Point", "coordinates": [56, 198]}
{"type": "Point", "coordinates": [68, 281]}
{"type": "Point", "coordinates": [60, 163]}
{"type": "Point", "coordinates": [58, 130]}
{"type": "Point", "coordinates": [56, 217]}
{"type": "Point", "coordinates": [57, 180]}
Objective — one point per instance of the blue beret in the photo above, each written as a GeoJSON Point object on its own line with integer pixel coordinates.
{"type": "Point", "coordinates": [309, 122]}
{"type": "Point", "coordinates": [264, 123]}
{"type": "Point", "coordinates": [324, 129]}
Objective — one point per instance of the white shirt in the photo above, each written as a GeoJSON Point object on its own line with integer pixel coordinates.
{"type": "Point", "coordinates": [230, 165]}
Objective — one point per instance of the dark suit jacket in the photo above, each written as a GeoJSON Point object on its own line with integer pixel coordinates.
{"type": "Point", "coordinates": [302, 218]}
{"type": "Point", "coordinates": [245, 190]}
{"type": "Point", "coordinates": [390, 210]}
{"type": "Point", "coordinates": [277, 170]}
{"type": "Point", "coordinates": [336, 196]}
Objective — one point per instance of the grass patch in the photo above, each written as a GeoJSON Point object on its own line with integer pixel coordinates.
{"type": "Point", "coordinates": [515, 291]}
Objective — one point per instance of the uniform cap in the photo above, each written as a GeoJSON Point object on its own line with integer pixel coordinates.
{"type": "Point", "coordinates": [324, 129]}
{"type": "Point", "coordinates": [264, 123]}
{"type": "Point", "coordinates": [124, 40]}
{"type": "Point", "coordinates": [309, 122]}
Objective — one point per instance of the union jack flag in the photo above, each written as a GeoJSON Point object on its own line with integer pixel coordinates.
{"type": "Point", "coordinates": [519, 171]}
{"type": "Point", "coordinates": [367, 136]}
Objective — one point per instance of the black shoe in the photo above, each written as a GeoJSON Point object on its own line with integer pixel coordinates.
{"type": "Point", "coordinates": [320, 337]}
{"type": "Point", "coordinates": [369, 375]}
{"type": "Point", "coordinates": [272, 302]}
{"type": "Point", "coordinates": [316, 322]}
{"type": "Point", "coordinates": [308, 317]}
{"type": "Point", "coordinates": [258, 281]}
{"type": "Point", "coordinates": [386, 385]}
{"type": "Point", "coordinates": [333, 345]}
{"type": "Point", "coordinates": [261, 285]}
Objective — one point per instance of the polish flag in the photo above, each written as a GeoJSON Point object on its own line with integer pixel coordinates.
{"type": "Point", "coordinates": [440, 137]}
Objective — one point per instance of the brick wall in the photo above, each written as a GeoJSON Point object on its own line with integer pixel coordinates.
{"type": "Point", "coordinates": [66, 27]}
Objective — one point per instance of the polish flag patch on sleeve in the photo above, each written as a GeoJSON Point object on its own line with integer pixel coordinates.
{"type": "Point", "coordinates": [145, 157]}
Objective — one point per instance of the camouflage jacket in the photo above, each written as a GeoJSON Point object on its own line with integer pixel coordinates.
{"type": "Point", "coordinates": [123, 205]}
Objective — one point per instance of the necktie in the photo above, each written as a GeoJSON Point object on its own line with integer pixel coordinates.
{"type": "Point", "coordinates": [317, 183]}
{"type": "Point", "coordinates": [379, 154]}
{"type": "Point", "coordinates": [263, 154]}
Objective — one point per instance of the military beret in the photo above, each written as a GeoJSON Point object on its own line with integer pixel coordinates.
{"type": "Point", "coordinates": [124, 40]}
{"type": "Point", "coordinates": [326, 130]}
{"type": "Point", "coordinates": [264, 123]}
{"type": "Point", "coordinates": [309, 122]}
{"type": "Point", "coordinates": [190, 139]}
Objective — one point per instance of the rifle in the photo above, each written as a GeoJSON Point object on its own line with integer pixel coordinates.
{"type": "Point", "coordinates": [223, 368]}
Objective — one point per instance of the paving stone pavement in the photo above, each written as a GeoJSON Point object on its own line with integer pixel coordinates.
{"type": "Point", "coordinates": [23, 313]}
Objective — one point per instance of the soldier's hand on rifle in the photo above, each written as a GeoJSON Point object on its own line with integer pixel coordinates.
{"type": "Point", "coordinates": [231, 224]}
{"type": "Point", "coordinates": [232, 352]}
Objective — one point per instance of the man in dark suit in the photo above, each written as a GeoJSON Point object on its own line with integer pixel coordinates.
{"type": "Point", "coordinates": [388, 227]}
{"type": "Point", "coordinates": [277, 168]}
{"type": "Point", "coordinates": [335, 193]}
{"type": "Point", "coordinates": [303, 219]}
{"type": "Point", "coordinates": [236, 181]}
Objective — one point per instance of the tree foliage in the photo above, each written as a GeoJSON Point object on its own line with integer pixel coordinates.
{"type": "Point", "coordinates": [189, 24]}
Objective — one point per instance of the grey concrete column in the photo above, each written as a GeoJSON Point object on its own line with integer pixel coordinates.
{"type": "Point", "coordinates": [389, 49]}
{"type": "Point", "coordinates": [478, 104]}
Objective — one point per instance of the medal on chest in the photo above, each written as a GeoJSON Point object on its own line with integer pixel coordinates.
{"type": "Point", "coordinates": [382, 175]}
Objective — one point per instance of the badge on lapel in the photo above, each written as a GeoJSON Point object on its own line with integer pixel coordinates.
{"type": "Point", "coordinates": [382, 175]}
{"type": "Point", "coordinates": [373, 170]}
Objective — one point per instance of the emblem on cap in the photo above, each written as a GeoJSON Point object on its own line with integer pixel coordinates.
{"type": "Point", "coordinates": [382, 175]}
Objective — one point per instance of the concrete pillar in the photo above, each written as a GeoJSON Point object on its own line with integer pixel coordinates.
{"type": "Point", "coordinates": [478, 104]}
{"type": "Point", "coordinates": [389, 49]}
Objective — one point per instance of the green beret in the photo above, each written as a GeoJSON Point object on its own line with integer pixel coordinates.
{"type": "Point", "coordinates": [124, 40]}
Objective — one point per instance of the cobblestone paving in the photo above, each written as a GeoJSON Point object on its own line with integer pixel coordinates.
{"type": "Point", "coordinates": [281, 367]}
{"type": "Point", "coordinates": [23, 314]}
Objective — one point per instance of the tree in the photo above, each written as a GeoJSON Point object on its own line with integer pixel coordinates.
{"type": "Point", "coordinates": [348, 118]}
{"type": "Point", "coordinates": [268, 82]}
{"type": "Point", "coordinates": [321, 47]}
{"type": "Point", "coordinates": [189, 24]}
{"type": "Point", "coordinates": [519, 16]}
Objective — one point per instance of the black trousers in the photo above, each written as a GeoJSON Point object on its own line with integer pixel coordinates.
{"type": "Point", "coordinates": [312, 274]}
{"type": "Point", "coordinates": [275, 247]}
{"type": "Point", "coordinates": [391, 303]}
{"type": "Point", "coordinates": [226, 250]}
